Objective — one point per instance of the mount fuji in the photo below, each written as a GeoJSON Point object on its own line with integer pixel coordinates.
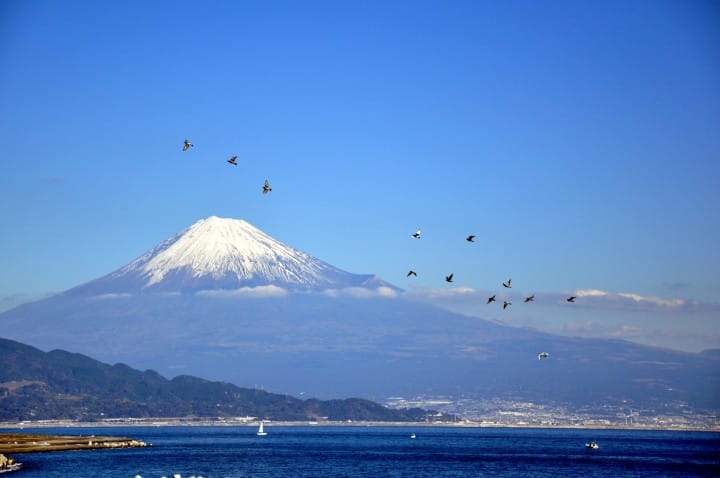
{"type": "Point", "coordinates": [224, 254]}
{"type": "Point", "coordinates": [224, 301]}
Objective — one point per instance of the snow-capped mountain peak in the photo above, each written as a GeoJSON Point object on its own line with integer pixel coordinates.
{"type": "Point", "coordinates": [222, 253]}
{"type": "Point", "coordinates": [217, 247]}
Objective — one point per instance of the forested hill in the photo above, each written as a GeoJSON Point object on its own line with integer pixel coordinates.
{"type": "Point", "coordinates": [37, 385]}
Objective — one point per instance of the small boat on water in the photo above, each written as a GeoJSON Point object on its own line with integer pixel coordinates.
{"type": "Point", "coordinates": [261, 430]}
{"type": "Point", "coordinates": [593, 445]}
{"type": "Point", "coordinates": [412, 435]}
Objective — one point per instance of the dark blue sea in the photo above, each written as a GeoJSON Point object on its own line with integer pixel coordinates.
{"type": "Point", "coordinates": [316, 451]}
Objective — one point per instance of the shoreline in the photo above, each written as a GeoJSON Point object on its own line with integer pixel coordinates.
{"type": "Point", "coordinates": [252, 422]}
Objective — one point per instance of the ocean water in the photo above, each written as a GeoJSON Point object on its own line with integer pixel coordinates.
{"type": "Point", "coordinates": [317, 452]}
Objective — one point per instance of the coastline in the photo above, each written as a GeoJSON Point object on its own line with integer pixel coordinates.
{"type": "Point", "coordinates": [17, 427]}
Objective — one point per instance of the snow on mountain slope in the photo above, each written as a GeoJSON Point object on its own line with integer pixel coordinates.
{"type": "Point", "coordinates": [220, 253]}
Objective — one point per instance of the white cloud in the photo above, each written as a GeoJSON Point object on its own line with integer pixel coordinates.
{"type": "Point", "coordinates": [455, 293]}
{"type": "Point", "coordinates": [590, 293]}
{"type": "Point", "coordinates": [386, 292]}
{"type": "Point", "coordinates": [651, 320]}
{"type": "Point", "coordinates": [258, 292]}
{"type": "Point", "coordinates": [586, 298]}
{"type": "Point", "coordinates": [600, 299]}
{"type": "Point", "coordinates": [672, 303]}
{"type": "Point", "coordinates": [361, 292]}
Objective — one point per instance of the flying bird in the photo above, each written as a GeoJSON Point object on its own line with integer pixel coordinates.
{"type": "Point", "coordinates": [233, 160]}
{"type": "Point", "coordinates": [187, 144]}
{"type": "Point", "coordinates": [266, 187]}
{"type": "Point", "coordinates": [506, 303]}
{"type": "Point", "coordinates": [449, 278]}
{"type": "Point", "coordinates": [412, 273]}
{"type": "Point", "coordinates": [571, 299]}
{"type": "Point", "coordinates": [530, 298]}
{"type": "Point", "coordinates": [491, 299]}
{"type": "Point", "coordinates": [470, 238]}
{"type": "Point", "coordinates": [507, 284]}
{"type": "Point", "coordinates": [417, 234]}
{"type": "Point", "coordinates": [543, 355]}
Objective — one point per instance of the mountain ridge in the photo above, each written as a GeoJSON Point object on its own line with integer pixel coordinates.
{"type": "Point", "coordinates": [58, 384]}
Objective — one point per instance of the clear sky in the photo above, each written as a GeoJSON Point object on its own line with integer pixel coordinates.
{"type": "Point", "coordinates": [578, 140]}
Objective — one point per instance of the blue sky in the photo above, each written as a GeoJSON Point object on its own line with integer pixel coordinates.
{"type": "Point", "coordinates": [579, 141]}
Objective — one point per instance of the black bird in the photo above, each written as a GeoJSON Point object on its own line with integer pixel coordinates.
{"type": "Point", "coordinates": [507, 284]}
{"type": "Point", "coordinates": [187, 144]}
{"type": "Point", "coordinates": [543, 355]}
{"type": "Point", "coordinates": [571, 299]}
{"type": "Point", "coordinates": [491, 299]}
{"type": "Point", "coordinates": [449, 278]}
{"type": "Point", "coordinates": [470, 238]}
{"type": "Point", "coordinates": [412, 273]}
{"type": "Point", "coordinates": [530, 298]}
{"type": "Point", "coordinates": [233, 160]}
{"type": "Point", "coordinates": [506, 303]}
{"type": "Point", "coordinates": [417, 234]}
{"type": "Point", "coordinates": [266, 187]}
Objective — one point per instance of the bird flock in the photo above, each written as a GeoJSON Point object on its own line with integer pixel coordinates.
{"type": "Point", "coordinates": [506, 284]}
{"type": "Point", "coordinates": [233, 160]}
{"type": "Point", "coordinates": [416, 235]}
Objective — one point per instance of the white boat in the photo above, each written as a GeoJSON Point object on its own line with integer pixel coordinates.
{"type": "Point", "coordinates": [592, 445]}
{"type": "Point", "coordinates": [261, 430]}
{"type": "Point", "coordinates": [412, 435]}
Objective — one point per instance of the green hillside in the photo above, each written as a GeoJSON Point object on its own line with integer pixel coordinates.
{"type": "Point", "coordinates": [37, 385]}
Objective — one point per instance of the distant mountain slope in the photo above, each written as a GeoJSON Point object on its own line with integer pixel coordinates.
{"type": "Point", "coordinates": [371, 348]}
{"type": "Point", "coordinates": [36, 385]}
{"type": "Point", "coordinates": [224, 301]}
{"type": "Point", "coordinates": [224, 254]}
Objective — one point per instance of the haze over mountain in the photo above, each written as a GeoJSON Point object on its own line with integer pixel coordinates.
{"type": "Point", "coordinates": [224, 301]}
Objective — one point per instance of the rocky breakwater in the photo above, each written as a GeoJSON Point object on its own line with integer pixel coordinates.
{"type": "Point", "coordinates": [33, 443]}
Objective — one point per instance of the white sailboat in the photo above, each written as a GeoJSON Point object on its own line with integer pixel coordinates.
{"type": "Point", "coordinates": [261, 430]}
